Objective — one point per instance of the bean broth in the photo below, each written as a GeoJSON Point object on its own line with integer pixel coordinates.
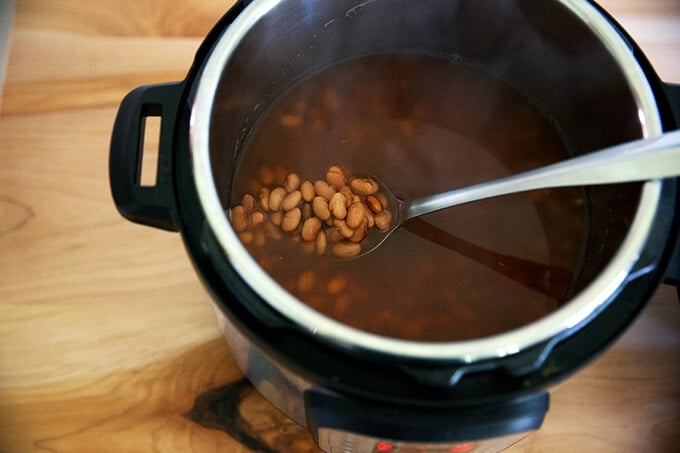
{"type": "Point", "coordinates": [421, 124]}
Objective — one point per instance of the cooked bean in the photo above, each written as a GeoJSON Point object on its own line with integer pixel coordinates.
{"type": "Point", "coordinates": [276, 218]}
{"type": "Point", "coordinates": [347, 193]}
{"type": "Point", "coordinates": [360, 232]}
{"type": "Point", "coordinates": [364, 186]}
{"type": "Point", "coordinates": [370, 218]}
{"type": "Point", "coordinates": [291, 120]}
{"type": "Point", "coordinates": [246, 237]}
{"type": "Point", "coordinates": [305, 281]}
{"type": "Point", "coordinates": [335, 177]}
{"type": "Point", "coordinates": [292, 200]}
{"type": "Point", "coordinates": [264, 199]}
{"type": "Point", "coordinates": [356, 213]}
{"type": "Point", "coordinates": [320, 208]}
{"type": "Point", "coordinates": [342, 227]}
{"type": "Point", "coordinates": [276, 197]}
{"type": "Point", "coordinates": [333, 235]}
{"type": "Point", "coordinates": [374, 204]}
{"type": "Point", "coordinates": [323, 189]}
{"type": "Point", "coordinates": [338, 206]}
{"type": "Point", "coordinates": [292, 182]}
{"type": "Point", "coordinates": [310, 229]}
{"type": "Point", "coordinates": [259, 238]}
{"type": "Point", "coordinates": [346, 249]}
{"type": "Point", "coordinates": [382, 198]}
{"type": "Point", "coordinates": [239, 218]}
{"type": "Point", "coordinates": [257, 218]}
{"type": "Point", "coordinates": [382, 220]}
{"type": "Point", "coordinates": [248, 202]}
{"type": "Point", "coordinates": [307, 191]}
{"type": "Point", "coordinates": [291, 220]}
{"type": "Point", "coordinates": [321, 243]}
{"type": "Point", "coordinates": [336, 285]}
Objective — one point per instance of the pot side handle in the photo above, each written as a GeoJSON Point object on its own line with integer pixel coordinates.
{"type": "Point", "coordinates": [672, 92]}
{"type": "Point", "coordinates": [673, 270]}
{"type": "Point", "coordinates": [152, 205]}
{"type": "Point", "coordinates": [672, 277]}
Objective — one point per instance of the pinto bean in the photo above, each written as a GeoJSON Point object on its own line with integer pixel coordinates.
{"type": "Point", "coordinates": [338, 205]}
{"type": "Point", "coordinates": [248, 202]}
{"type": "Point", "coordinates": [257, 218]}
{"type": "Point", "coordinates": [264, 199]}
{"type": "Point", "coordinates": [292, 182]}
{"type": "Point", "coordinates": [323, 189]}
{"type": "Point", "coordinates": [364, 186]}
{"type": "Point", "coordinates": [335, 177]}
{"type": "Point", "coordinates": [290, 120]}
{"type": "Point", "coordinates": [246, 237]}
{"type": "Point", "coordinates": [348, 194]}
{"type": "Point", "coordinates": [276, 218]}
{"type": "Point", "coordinates": [346, 249]}
{"type": "Point", "coordinates": [291, 220]}
{"type": "Point", "coordinates": [356, 214]}
{"type": "Point", "coordinates": [373, 203]}
{"type": "Point", "coordinates": [239, 218]}
{"type": "Point", "coordinates": [360, 232]}
{"type": "Point", "coordinates": [307, 191]}
{"type": "Point", "coordinates": [305, 281]}
{"type": "Point", "coordinates": [291, 200]}
{"type": "Point", "coordinates": [320, 208]}
{"type": "Point", "coordinates": [382, 220]}
{"type": "Point", "coordinates": [321, 243]}
{"type": "Point", "coordinates": [310, 229]}
{"type": "Point", "coordinates": [337, 285]}
{"type": "Point", "coordinates": [276, 197]}
{"type": "Point", "coordinates": [342, 227]}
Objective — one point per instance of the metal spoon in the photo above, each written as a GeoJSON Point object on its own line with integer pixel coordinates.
{"type": "Point", "coordinates": [640, 160]}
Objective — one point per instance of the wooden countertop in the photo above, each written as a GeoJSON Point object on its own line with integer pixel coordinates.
{"type": "Point", "coordinates": [108, 338]}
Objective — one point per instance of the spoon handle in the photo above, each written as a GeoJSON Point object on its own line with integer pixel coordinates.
{"type": "Point", "coordinates": [640, 160]}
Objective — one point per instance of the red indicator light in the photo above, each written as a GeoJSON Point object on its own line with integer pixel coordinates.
{"type": "Point", "coordinates": [382, 446]}
{"type": "Point", "coordinates": [461, 448]}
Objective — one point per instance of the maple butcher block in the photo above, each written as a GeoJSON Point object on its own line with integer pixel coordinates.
{"type": "Point", "coordinates": [108, 340]}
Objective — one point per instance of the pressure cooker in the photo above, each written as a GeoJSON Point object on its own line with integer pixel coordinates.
{"type": "Point", "coordinates": [355, 390]}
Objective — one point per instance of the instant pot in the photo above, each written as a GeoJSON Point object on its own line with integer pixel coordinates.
{"type": "Point", "coordinates": [357, 391]}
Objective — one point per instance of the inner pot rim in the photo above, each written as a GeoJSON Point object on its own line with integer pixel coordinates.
{"type": "Point", "coordinates": [569, 317]}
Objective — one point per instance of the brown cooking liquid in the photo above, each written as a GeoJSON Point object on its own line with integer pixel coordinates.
{"type": "Point", "coordinates": [422, 125]}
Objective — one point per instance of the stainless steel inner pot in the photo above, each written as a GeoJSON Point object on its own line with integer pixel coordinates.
{"type": "Point", "coordinates": [563, 54]}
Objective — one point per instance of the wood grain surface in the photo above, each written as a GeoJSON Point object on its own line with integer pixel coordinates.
{"type": "Point", "coordinates": [108, 342]}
